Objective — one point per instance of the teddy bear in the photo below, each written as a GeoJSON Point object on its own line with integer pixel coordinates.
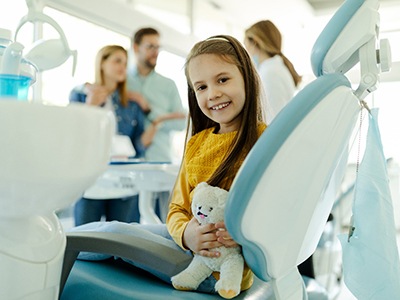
{"type": "Point", "coordinates": [207, 206]}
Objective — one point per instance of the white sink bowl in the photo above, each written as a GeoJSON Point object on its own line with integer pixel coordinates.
{"type": "Point", "coordinates": [49, 155]}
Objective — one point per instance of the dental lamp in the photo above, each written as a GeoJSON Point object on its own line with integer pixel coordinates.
{"type": "Point", "coordinates": [47, 54]}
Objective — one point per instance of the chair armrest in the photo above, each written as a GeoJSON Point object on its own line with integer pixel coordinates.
{"type": "Point", "coordinates": [167, 261]}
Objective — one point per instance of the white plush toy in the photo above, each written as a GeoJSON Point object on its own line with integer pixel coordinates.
{"type": "Point", "coordinates": [208, 207]}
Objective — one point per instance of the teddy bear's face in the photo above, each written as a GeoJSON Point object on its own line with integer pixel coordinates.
{"type": "Point", "coordinates": [208, 203]}
{"type": "Point", "coordinates": [204, 213]}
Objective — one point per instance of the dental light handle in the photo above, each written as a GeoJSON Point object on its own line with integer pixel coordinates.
{"type": "Point", "coordinates": [11, 59]}
{"type": "Point", "coordinates": [47, 54]}
{"type": "Point", "coordinates": [35, 16]}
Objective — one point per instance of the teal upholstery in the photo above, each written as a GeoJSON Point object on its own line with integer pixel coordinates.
{"type": "Point", "coordinates": [120, 281]}
{"type": "Point", "coordinates": [331, 32]}
{"type": "Point", "coordinates": [264, 153]}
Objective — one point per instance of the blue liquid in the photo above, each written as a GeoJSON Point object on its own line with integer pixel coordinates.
{"type": "Point", "coordinates": [14, 86]}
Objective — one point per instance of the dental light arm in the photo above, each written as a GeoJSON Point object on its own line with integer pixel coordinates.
{"type": "Point", "coordinates": [47, 54]}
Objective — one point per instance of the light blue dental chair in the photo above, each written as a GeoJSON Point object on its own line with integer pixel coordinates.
{"type": "Point", "coordinates": [278, 203]}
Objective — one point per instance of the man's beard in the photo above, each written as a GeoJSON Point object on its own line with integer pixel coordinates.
{"type": "Point", "coordinates": [149, 64]}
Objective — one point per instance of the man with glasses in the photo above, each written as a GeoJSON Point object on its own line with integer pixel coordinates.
{"type": "Point", "coordinates": [166, 113]}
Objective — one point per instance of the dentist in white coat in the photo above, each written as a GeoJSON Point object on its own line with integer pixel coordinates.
{"type": "Point", "coordinates": [279, 78]}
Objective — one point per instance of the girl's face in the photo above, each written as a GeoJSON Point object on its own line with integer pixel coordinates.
{"type": "Point", "coordinates": [114, 67]}
{"type": "Point", "coordinates": [219, 89]}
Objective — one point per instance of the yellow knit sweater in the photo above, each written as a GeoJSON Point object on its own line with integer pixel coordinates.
{"type": "Point", "coordinates": [204, 153]}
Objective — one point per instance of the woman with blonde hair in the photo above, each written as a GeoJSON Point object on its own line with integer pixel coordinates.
{"type": "Point", "coordinates": [109, 91]}
{"type": "Point", "coordinates": [279, 78]}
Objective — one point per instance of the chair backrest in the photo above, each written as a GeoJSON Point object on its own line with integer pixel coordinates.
{"type": "Point", "coordinates": [277, 198]}
{"type": "Point", "coordinates": [278, 205]}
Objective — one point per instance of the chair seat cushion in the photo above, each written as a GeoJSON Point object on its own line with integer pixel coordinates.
{"type": "Point", "coordinates": [114, 279]}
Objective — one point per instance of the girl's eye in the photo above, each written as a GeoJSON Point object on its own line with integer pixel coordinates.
{"type": "Point", "coordinates": [223, 79]}
{"type": "Point", "coordinates": [200, 88]}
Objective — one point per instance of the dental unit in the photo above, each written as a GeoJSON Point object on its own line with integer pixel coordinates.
{"type": "Point", "coordinates": [43, 169]}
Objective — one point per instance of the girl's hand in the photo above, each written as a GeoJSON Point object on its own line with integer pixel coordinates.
{"type": "Point", "coordinates": [223, 236]}
{"type": "Point", "coordinates": [200, 238]}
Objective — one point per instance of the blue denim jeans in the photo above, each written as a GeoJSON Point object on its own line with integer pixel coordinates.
{"type": "Point", "coordinates": [123, 210]}
{"type": "Point", "coordinates": [153, 232]}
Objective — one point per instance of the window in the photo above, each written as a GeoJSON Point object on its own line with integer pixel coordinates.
{"type": "Point", "coordinates": [87, 38]}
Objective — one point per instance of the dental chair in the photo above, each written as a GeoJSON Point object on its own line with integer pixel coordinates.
{"type": "Point", "coordinates": [279, 202]}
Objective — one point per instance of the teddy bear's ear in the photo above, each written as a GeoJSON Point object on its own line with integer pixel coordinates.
{"type": "Point", "coordinates": [202, 185]}
{"type": "Point", "coordinates": [222, 197]}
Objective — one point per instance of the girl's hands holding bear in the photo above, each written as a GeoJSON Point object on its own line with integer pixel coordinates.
{"type": "Point", "coordinates": [201, 239]}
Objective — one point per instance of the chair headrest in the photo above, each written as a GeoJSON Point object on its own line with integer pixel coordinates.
{"type": "Point", "coordinates": [351, 36]}
{"type": "Point", "coordinates": [336, 48]}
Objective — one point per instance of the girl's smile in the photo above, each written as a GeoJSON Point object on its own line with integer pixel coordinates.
{"type": "Point", "coordinates": [220, 106]}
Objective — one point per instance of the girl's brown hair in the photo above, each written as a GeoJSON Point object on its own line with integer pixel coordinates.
{"type": "Point", "coordinates": [230, 50]}
{"type": "Point", "coordinates": [266, 36]}
{"type": "Point", "coordinates": [103, 54]}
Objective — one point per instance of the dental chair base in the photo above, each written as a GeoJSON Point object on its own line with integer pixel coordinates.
{"type": "Point", "coordinates": [102, 280]}
{"type": "Point", "coordinates": [31, 256]}
{"type": "Point", "coordinates": [43, 169]}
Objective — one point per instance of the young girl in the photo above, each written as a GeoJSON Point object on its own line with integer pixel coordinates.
{"type": "Point", "coordinates": [225, 115]}
{"type": "Point", "coordinates": [225, 122]}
